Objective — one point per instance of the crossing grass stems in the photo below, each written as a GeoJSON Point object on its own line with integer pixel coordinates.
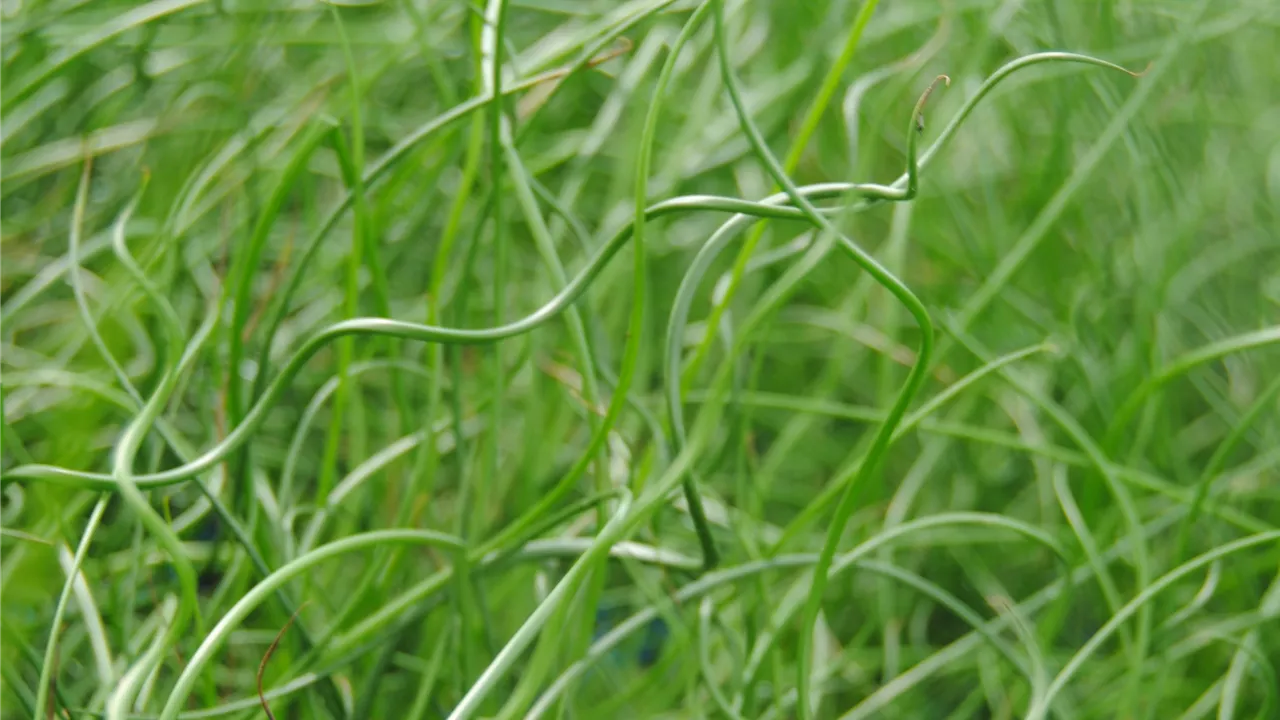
{"type": "Point", "coordinates": [547, 675]}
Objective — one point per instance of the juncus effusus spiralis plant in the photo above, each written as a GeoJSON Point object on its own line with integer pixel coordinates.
{"type": "Point", "coordinates": [390, 361]}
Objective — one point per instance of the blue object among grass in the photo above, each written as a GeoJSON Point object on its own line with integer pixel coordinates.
{"type": "Point", "coordinates": [644, 652]}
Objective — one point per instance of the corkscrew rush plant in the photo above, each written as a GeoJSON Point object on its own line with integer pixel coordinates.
{"type": "Point", "coordinates": [386, 326]}
{"type": "Point", "coordinates": [456, 605]}
{"type": "Point", "coordinates": [577, 285]}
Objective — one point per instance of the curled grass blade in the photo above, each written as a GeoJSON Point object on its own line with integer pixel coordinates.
{"type": "Point", "coordinates": [256, 595]}
{"type": "Point", "coordinates": [1141, 600]}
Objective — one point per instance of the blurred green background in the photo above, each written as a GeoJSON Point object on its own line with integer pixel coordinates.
{"type": "Point", "coordinates": [1121, 231]}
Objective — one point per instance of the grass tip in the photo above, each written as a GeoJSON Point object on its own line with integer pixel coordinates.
{"type": "Point", "coordinates": [20, 535]}
{"type": "Point", "coordinates": [944, 79]}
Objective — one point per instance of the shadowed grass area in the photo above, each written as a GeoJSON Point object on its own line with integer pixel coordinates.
{"type": "Point", "coordinates": [643, 359]}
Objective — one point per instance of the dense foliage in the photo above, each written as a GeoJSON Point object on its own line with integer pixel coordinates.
{"type": "Point", "coordinates": [444, 358]}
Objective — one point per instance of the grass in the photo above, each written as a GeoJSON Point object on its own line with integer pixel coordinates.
{"type": "Point", "coordinates": [644, 359]}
